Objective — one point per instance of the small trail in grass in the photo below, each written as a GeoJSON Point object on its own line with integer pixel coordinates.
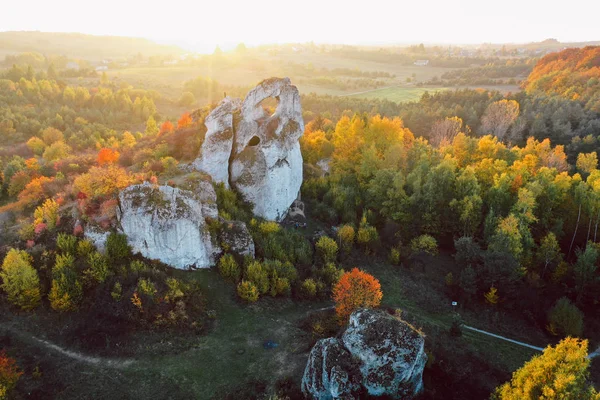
{"type": "Point", "coordinates": [77, 356]}
{"type": "Point", "coordinates": [503, 338]}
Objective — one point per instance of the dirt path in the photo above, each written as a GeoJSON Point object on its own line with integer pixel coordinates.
{"type": "Point", "coordinates": [77, 356]}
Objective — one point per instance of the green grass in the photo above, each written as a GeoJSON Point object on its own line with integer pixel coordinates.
{"type": "Point", "coordinates": [399, 94]}
{"type": "Point", "coordinates": [232, 354]}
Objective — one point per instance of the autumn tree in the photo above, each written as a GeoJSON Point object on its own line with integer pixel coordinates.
{"type": "Point", "coordinates": [20, 280]}
{"type": "Point", "coordinates": [499, 117]}
{"type": "Point", "coordinates": [151, 127]}
{"type": "Point", "coordinates": [561, 372]}
{"type": "Point", "coordinates": [549, 251]}
{"type": "Point", "coordinates": [52, 135]}
{"type": "Point", "coordinates": [327, 249]}
{"type": "Point", "coordinates": [166, 127]}
{"type": "Point", "coordinates": [107, 156]}
{"type": "Point", "coordinates": [586, 163]}
{"type": "Point", "coordinates": [9, 374]}
{"type": "Point", "coordinates": [57, 151]}
{"type": "Point", "coordinates": [346, 235]}
{"type": "Point", "coordinates": [47, 214]}
{"type": "Point", "coordinates": [444, 131]}
{"type": "Point", "coordinates": [356, 289]}
{"type": "Point", "coordinates": [184, 121]}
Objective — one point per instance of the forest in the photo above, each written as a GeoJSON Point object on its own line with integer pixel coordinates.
{"type": "Point", "coordinates": [473, 196]}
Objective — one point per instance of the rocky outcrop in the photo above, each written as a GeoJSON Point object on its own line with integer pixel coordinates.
{"type": "Point", "coordinates": [218, 141]}
{"type": "Point", "coordinates": [331, 372]}
{"type": "Point", "coordinates": [97, 236]}
{"type": "Point", "coordinates": [236, 238]}
{"type": "Point", "coordinates": [389, 354]}
{"type": "Point", "coordinates": [265, 162]}
{"type": "Point", "coordinates": [170, 224]}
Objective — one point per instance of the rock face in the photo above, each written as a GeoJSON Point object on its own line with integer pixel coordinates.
{"type": "Point", "coordinates": [264, 162]}
{"type": "Point", "coordinates": [388, 352]}
{"type": "Point", "coordinates": [218, 142]}
{"type": "Point", "coordinates": [236, 238]}
{"type": "Point", "coordinates": [331, 372]}
{"type": "Point", "coordinates": [170, 224]}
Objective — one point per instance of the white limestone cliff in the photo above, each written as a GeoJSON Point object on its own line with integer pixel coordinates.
{"type": "Point", "coordinates": [265, 162]}
{"type": "Point", "coordinates": [170, 224]}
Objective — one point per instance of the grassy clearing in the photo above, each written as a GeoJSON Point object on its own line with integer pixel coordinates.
{"type": "Point", "coordinates": [232, 353]}
{"type": "Point", "coordinates": [399, 94]}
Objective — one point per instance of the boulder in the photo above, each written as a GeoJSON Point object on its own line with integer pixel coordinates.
{"type": "Point", "coordinates": [218, 141]}
{"type": "Point", "coordinates": [331, 372]}
{"type": "Point", "coordinates": [378, 355]}
{"type": "Point", "coordinates": [256, 152]}
{"type": "Point", "coordinates": [391, 353]}
{"type": "Point", "coordinates": [236, 238]}
{"type": "Point", "coordinates": [170, 224]}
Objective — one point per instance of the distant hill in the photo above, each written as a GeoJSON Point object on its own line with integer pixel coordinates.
{"type": "Point", "coordinates": [572, 73]}
{"type": "Point", "coordinates": [78, 45]}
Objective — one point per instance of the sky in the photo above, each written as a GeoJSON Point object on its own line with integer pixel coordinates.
{"type": "Point", "coordinates": [201, 25]}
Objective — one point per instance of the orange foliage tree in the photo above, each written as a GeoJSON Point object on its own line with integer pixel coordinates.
{"type": "Point", "coordinates": [166, 127]}
{"type": "Point", "coordinates": [356, 289]}
{"type": "Point", "coordinates": [184, 121]}
{"type": "Point", "coordinates": [9, 374]}
{"type": "Point", "coordinates": [107, 156]}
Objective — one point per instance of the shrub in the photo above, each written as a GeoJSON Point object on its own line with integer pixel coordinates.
{"type": "Point", "coordinates": [66, 243]}
{"type": "Point", "coordinates": [85, 247]}
{"type": "Point", "coordinates": [309, 288]}
{"type": "Point", "coordinates": [20, 280]}
{"type": "Point", "coordinates": [117, 248]}
{"type": "Point", "coordinates": [395, 256]}
{"type": "Point", "coordinates": [565, 319]}
{"type": "Point", "coordinates": [146, 287]}
{"type": "Point", "coordinates": [424, 244]}
{"type": "Point", "coordinates": [327, 249]}
{"type": "Point", "coordinates": [279, 286]}
{"type": "Point", "coordinates": [175, 290]}
{"type": "Point", "coordinates": [9, 374]}
{"type": "Point", "coordinates": [256, 274]}
{"type": "Point", "coordinates": [331, 274]}
{"type": "Point", "coordinates": [137, 266]}
{"type": "Point", "coordinates": [229, 268]}
{"type": "Point", "coordinates": [367, 236]}
{"type": "Point", "coordinates": [98, 267]}
{"type": "Point", "coordinates": [117, 292]}
{"type": "Point", "coordinates": [66, 291]}
{"type": "Point", "coordinates": [346, 235]}
{"type": "Point", "coordinates": [247, 291]}
{"type": "Point", "coordinates": [355, 289]}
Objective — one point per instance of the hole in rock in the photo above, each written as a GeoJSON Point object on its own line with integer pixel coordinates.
{"type": "Point", "coordinates": [254, 141]}
{"type": "Point", "coordinates": [270, 104]}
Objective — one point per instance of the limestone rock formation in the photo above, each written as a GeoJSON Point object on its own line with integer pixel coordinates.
{"type": "Point", "coordinates": [331, 372]}
{"type": "Point", "coordinates": [389, 353]}
{"type": "Point", "coordinates": [218, 142]}
{"type": "Point", "coordinates": [97, 236]}
{"type": "Point", "coordinates": [264, 163]}
{"type": "Point", "coordinates": [170, 224]}
{"type": "Point", "coordinates": [236, 238]}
